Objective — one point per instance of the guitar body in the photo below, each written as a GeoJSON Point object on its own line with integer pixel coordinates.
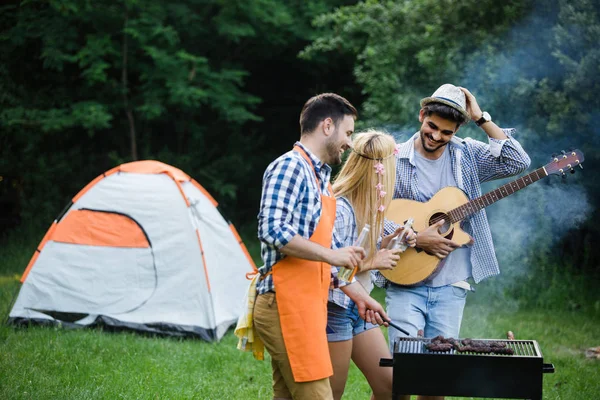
{"type": "Point", "coordinates": [416, 265]}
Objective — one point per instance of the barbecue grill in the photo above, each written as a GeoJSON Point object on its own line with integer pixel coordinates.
{"type": "Point", "coordinates": [417, 370]}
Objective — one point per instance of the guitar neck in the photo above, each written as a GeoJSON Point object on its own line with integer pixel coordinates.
{"type": "Point", "coordinates": [471, 207]}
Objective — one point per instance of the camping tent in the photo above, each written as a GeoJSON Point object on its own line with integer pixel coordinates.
{"type": "Point", "coordinates": [141, 247]}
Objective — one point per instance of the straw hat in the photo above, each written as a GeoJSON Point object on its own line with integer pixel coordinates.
{"type": "Point", "coordinates": [449, 95]}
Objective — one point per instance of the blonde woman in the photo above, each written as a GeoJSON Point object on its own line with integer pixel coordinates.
{"type": "Point", "coordinates": [363, 189]}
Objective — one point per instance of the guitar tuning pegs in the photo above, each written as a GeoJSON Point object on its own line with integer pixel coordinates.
{"type": "Point", "coordinates": [572, 170]}
{"type": "Point", "coordinates": [581, 166]}
{"type": "Point", "coordinates": [562, 151]}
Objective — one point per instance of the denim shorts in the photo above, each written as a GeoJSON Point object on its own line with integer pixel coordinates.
{"type": "Point", "coordinates": [344, 323]}
{"type": "Point", "coordinates": [435, 310]}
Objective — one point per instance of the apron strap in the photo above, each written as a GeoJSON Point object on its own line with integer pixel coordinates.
{"type": "Point", "coordinates": [310, 162]}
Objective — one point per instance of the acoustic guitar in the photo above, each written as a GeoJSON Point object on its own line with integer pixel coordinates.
{"type": "Point", "coordinates": [452, 205]}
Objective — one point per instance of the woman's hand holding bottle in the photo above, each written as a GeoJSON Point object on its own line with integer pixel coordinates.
{"type": "Point", "coordinates": [384, 259]}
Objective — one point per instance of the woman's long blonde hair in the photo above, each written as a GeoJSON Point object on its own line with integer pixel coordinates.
{"type": "Point", "coordinates": [358, 181]}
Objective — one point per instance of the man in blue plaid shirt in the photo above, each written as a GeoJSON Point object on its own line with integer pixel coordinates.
{"type": "Point", "coordinates": [432, 159]}
{"type": "Point", "coordinates": [295, 226]}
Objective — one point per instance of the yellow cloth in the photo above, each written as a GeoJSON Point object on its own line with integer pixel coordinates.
{"type": "Point", "coordinates": [244, 330]}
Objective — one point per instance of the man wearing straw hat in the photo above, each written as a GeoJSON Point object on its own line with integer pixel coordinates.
{"type": "Point", "coordinates": [430, 160]}
{"type": "Point", "coordinates": [295, 226]}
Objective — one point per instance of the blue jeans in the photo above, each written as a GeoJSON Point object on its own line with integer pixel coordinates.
{"type": "Point", "coordinates": [344, 324]}
{"type": "Point", "coordinates": [438, 311]}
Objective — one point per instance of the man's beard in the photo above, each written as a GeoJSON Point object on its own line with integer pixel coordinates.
{"type": "Point", "coordinates": [424, 141]}
{"type": "Point", "coordinates": [333, 150]}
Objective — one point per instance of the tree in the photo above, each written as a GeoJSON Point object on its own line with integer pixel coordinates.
{"type": "Point", "coordinates": [533, 64]}
{"type": "Point", "coordinates": [90, 84]}
{"type": "Point", "coordinates": [404, 49]}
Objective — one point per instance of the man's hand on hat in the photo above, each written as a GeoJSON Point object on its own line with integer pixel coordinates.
{"type": "Point", "coordinates": [472, 107]}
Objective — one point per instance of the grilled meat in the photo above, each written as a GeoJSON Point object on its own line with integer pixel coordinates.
{"type": "Point", "coordinates": [439, 347]}
{"type": "Point", "coordinates": [442, 344]}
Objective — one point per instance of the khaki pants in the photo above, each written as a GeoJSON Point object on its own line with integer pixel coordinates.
{"type": "Point", "coordinates": [268, 327]}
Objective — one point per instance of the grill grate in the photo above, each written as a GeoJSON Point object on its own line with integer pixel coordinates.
{"type": "Point", "coordinates": [522, 348]}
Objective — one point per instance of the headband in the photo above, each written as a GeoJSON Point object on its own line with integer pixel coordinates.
{"type": "Point", "coordinates": [379, 171]}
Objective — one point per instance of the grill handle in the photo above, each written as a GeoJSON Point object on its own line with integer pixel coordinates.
{"type": "Point", "coordinates": [386, 362]}
{"type": "Point", "coordinates": [546, 368]}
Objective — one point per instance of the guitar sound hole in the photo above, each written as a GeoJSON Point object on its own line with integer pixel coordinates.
{"type": "Point", "coordinates": [444, 229]}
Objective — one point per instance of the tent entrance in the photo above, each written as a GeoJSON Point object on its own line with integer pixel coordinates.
{"type": "Point", "coordinates": [98, 262]}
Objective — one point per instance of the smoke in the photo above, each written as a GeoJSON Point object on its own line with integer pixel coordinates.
{"type": "Point", "coordinates": [525, 70]}
{"type": "Point", "coordinates": [514, 82]}
{"type": "Point", "coordinates": [539, 215]}
{"type": "Point", "coordinates": [519, 79]}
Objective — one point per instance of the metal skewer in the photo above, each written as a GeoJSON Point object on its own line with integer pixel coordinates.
{"type": "Point", "coordinates": [398, 328]}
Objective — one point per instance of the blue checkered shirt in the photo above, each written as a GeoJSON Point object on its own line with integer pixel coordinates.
{"type": "Point", "coordinates": [290, 205]}
{"type": "Point", "coordinates": [473, 162]}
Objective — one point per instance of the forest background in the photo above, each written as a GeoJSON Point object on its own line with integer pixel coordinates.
{"type": "Point", "coordinates": [215, 88]}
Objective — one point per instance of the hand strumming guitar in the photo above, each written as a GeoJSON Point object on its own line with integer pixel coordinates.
{"type": "Point", "coordinates": [433, 243]}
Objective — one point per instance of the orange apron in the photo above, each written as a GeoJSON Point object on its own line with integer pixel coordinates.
{"type": "Point", "coordinates": [301, 290]}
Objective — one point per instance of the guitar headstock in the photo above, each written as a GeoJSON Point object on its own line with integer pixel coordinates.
{"type": "Point", "coordinates": [565, 162]}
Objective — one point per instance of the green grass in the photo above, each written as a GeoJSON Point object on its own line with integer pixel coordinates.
{"type": "Point", "coordinates": [55, 363]}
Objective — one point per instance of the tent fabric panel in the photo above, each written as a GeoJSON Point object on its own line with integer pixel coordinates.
{"type": "Point", "coordinates": [222, 328]}
{"type": "Point", "coordinates": [155, 202]}
{"type": "Point", "coordinates": [37, 251]}
{"type": "Point", "coordinates": [204, 192]}
{"type": "Point", "coordinates": [93, 183]}
{"type": "Point", "coordinates": [244, 249]}
{"type": "Point", "coordinates": [88, 279]}
{"type": "Point", "coordinates": [227, 267]}
{"type": "Point", "coordinates": [154, 167]}
{"type": "Point", "coordinates": [226, 262]}
{"type": "Point", "coordinates": [99, 228]}
{"type": "Point", "coordinates": [203, 260]}
{"type": "Point", "coordinates": [183, 196]}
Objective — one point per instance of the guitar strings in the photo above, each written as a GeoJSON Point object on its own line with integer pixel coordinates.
{"type": "Point", "coordinates": [449, 215]}
{"type": "Point", "coordinates": [494, 195]}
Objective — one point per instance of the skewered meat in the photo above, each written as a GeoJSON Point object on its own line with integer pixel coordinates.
{"type": "Point", "coordinates": [480, 349]}
{"type": "Point", "coordinates": [505, 350]}
{"type": "Point", "coordinates": [442, 344]}
{"type": "Point", "coordinates": [439, 347]}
